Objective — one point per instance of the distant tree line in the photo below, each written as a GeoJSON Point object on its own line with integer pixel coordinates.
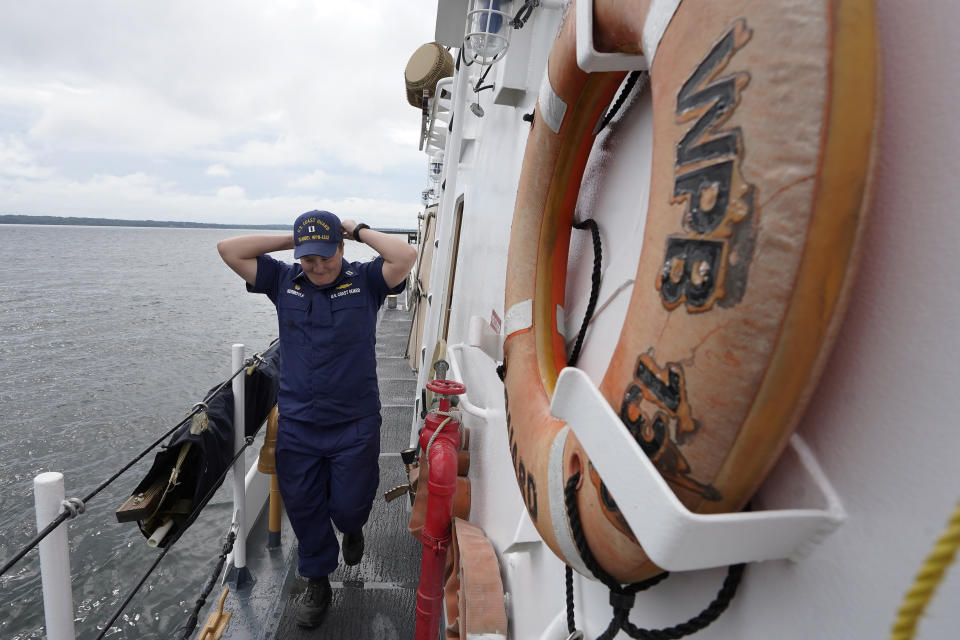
{"type": "Point", "coordinates": [113, 222]}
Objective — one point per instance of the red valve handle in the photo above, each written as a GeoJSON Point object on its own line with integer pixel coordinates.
{"type": "Point", "coordinates": [446, 387]}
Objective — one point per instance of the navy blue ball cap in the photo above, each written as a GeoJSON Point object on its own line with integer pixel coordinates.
{"type": "Point", "coordinates": [316, 233]}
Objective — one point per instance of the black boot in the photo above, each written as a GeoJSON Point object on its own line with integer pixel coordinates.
{"type": "Point", "coordinates": [314, 602]}
{"type": "Point", "coordinates": [352, 547]}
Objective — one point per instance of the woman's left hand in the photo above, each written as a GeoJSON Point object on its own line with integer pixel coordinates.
{"type": "Point", "coordinates": [347, 227]}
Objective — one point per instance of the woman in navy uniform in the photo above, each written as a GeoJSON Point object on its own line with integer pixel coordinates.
{"type": "Point", "coordinates": [328, 441]}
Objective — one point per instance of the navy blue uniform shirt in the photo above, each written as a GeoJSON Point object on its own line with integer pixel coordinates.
{"type": "Point", "coordinates": [327, 338]}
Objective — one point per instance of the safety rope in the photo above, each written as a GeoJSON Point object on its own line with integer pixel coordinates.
{"type": "Point", "coordinates": [622, 597]}
{"type": "Point", "coordinates": [572, 362]}
{"type": "Point", "coordinates": [928, 579]}
{"type": "Point", "coordinates": [591, 224]}
{"type": "Point", "coordinates": [78, 505]}
{"type": "Point", "coordinates": [187, 630]}
{"type": "Point", "coordinates": [571, 619]}
{"type": "Point", "coordinates": [627, 88]}
{"type": "Point", "coordinates": [449, 416]}
{"type": "Point", "coordinates": [173, 541]}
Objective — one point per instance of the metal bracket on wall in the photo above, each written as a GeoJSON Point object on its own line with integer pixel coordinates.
{"type": "Point", "coordinates": [674, 537]}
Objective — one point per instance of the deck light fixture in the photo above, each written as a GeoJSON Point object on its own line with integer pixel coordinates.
{"type": "Point", "coordinates": [435, 167]}
{"type": "Point", "coordinates": [487, 31]}
{"type": "Point", "coordinates": [428, 196]}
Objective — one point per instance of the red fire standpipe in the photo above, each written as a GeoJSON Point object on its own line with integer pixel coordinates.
{"type": "Point", "coordinates": [442, 484]}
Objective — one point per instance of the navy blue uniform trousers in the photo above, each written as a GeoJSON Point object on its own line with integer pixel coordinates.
{"type": "Point", "coordinates": [328, 475]}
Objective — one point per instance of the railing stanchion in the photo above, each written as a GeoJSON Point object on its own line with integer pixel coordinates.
{"type": "Point", "coordinates": [239, 574]}
{"type": "Point", "coordinates": [48, 495]}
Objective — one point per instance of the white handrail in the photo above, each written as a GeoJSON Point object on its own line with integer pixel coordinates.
{"type": "Point", "coordinates": [48, 494]}
{"type": "Point", "coordinates": [465, 405]}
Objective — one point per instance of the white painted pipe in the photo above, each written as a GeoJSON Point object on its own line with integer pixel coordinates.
{"type": "Point", "coordinates": [48, 493]}
{"type": "Point", "coordinates": [157, 536]}
{"type": "Point", "coordinates": [456, 373]}
{"type": "Point", "coordinates": [239, 430]}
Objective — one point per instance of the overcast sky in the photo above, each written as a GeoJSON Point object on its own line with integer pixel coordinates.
{"type": "Point", "coordinates": [235, 111]}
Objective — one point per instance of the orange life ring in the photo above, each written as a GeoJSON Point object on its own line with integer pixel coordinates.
{"type": "Point", "coordinates": [764, 119]}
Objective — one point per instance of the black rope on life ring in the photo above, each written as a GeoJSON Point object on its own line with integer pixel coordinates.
{"type": "Point", "coordinates": [627, 88]}
{"type": "Point", "coordinates": [622, 596]}
{"type": "Point", "coordinates": [591, 224]}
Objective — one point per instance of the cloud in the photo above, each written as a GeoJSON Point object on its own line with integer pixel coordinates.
{"type": "Point", "coordinates": [279, 152]}
{"type": "Point", "coordinates": [232, 192]}
{"type": "Point", "coordinates": [217, 170]}
{"type": "Point", "coordinates": [131, 119]}
{"type": "Point", "coordinates": [248, 90]}
{"type": "Point", "coordinates": [19, 161]}
{"type": "Point", "coordinates": [313, 180]}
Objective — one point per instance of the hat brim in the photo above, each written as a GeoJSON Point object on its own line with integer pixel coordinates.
{"type": "Point", "coordinates": [322, 249]}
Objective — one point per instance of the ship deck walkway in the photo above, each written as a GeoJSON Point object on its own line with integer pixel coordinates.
{"type": "Point", "coordinates": [375, 599]}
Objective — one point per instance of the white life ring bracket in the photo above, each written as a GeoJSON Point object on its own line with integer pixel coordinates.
{"type": "Point", "coordinates": [675, 538]}
{"type": "Point", "coordinates": [591, 60]}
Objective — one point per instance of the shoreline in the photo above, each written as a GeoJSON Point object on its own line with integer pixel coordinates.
{"type": "Point", "coordinates": [152, 224]}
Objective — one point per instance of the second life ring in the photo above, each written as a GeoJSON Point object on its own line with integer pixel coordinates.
{"type": "Point", "coordinates": [764, 120]}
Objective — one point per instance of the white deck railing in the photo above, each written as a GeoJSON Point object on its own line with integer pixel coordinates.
{"type": "Point", "coordinates": [49, 497]}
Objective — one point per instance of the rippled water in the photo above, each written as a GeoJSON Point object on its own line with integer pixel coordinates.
{"type": "Point", "coordinates": [108, 335]}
